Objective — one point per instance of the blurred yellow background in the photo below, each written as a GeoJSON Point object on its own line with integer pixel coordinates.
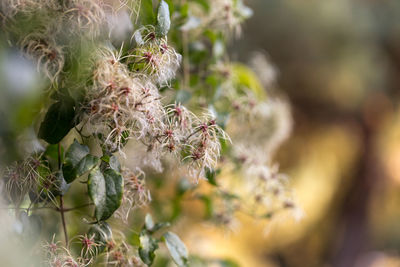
{"type": "Point", "coordinates": [339, 65]}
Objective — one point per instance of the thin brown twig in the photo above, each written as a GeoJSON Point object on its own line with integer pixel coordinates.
{"type": "Point", "coordinates": [63, 220]}
{"type": "Point", "coordinates": [61, 208]}
{"type": "Point", "coordinates": [75, 208]}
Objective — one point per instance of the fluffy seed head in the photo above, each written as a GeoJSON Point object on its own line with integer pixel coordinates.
{"type": "Point", "coordinates": [136, 195]}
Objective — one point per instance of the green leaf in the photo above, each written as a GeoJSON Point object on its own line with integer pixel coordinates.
{"type": "Point", "coordinates": [183, 186]}
{"type": "Point", "coordinates": [114, 164]}
{"type": "Point", "coordinates": [159, 226]}
{"type": "Point", "coordinates": [97, 190]}
{"type": "Point", "coordinates": [58, 122]}
{"type": "Point", "coordinates": [211, 176]}
{"type": "Point", "coordinates": [152, 227]}
{"type": "Point", "coordinates": [62, 186]}
{"type": "Point", "coordinates": [112, 161]}
{"type": "Point", "coordinates": [114, 192]}
{"type": "Point", "coordinates": [75, 153]}
{"type": "Point", "coordinates": [147, 248]}
{"type": "Point", "coordinates": [176, 248]}
{"type": "Point", "coordinates": [102, 235]}
{"type": "Point", "coordinates": [86, 164]}
{"type": "Point", "coordinates": [105, 190]}
{"type": "Point", "coordinates": [148, 222]}
{"type": "Point", "coordinates": [163, 19]}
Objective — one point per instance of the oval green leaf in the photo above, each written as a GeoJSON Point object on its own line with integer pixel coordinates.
{"type": "Point", "coordinates": [58, 122]}
{"type": "Point", "coordinates": [176, 248]}
{"type": "Point", "coordinates": [105, 190]}
{"type": "Point", "coordinates": [147, 248]}
{"type": "Point", "coordinates": [75, 153]}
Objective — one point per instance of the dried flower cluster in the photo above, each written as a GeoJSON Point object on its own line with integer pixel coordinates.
{"type": "Point", "coordinates": [31, 176]}
{"type": "Point", "coordinates": [225, 15]}
{"type": "Point", "coordinates": [154, 56]}
{"type": "Point", "coordinates": [85, 15]}
{"type": "Point", "coordinates": [136, 194]}
{"type": "Point", "coordinates": [62, 22]}
{"type": "Point", "coordinates": [57, 255]}
{"type": "Point", "coordinates": [119, 253]}
{"type": "Point", "coordinates": [268, 125]}
{"type": "Point", "coordinates": [48, 55]}
{"type": "Point", "coordinates": [121, 104]}
{"type": "Point", "coordinates": [125, 104]}
{"type": "Point", "coordinates": [119, 97]}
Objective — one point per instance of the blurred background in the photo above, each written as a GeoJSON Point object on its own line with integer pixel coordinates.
{"type": "Point", "coordinates": [339, 65]}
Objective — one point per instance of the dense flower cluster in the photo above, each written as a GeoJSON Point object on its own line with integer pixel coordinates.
{"type": "Point", "coordinates": [57, 255]}
{"type": "Point", "coordinates": [121, 105]}
{"type": "Point", "coordinates": [74, 19]}
{"type": "Point", "coordinates": [44, 50]}
{"type": "Point", "coordinates": [264, 191]}
{"type": "Point", "coordinates": [122, 99]}
{"type": "Point", "coordinates": [154, 56]}
{"type": "Point", "coordinates": [124, 104]}
{"type": "Point", "coordinates": [119, 253]}
{"type": "Point", "coordinates": [136, 194]}
{"type": "Point", "coordinates": [225, 15]}
{"type": "Point", "coordinates": [31, 176]}
{"type": "Point", "coordinates": [85, 15]}
{"type": "Point", "coordinates": [268, 125]}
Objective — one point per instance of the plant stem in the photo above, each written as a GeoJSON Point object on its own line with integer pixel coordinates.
{"type": "Point", "coordinates": [63, 220]}
{"type": "Point", "coordinates": [76, 208]}
{"type": "Point", "coordinates": [61, 208]}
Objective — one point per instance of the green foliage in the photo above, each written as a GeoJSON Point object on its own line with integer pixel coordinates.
{"type": "Point", "coordinates": [111, 94]}
{"type": "Point", "coordinates": [149, 244]}
{"type": "Point", "coordinates": [58, 121]}
{"type": "Point", "coordinates": [176, 248]}
{"type": "Point", "coordinates": [105, 189]}
{"type": "Point", "coordinates": [86, 164]}
{"type": "Point", "coordinates": [211, 176]}
{"type": "Point", "coordinates": [72, 166]}
{"type": "Point", "coordinates": [61, 185]}
{"type": "Point", "coordinates": [147, 248]}
{"type": "Point", "coordinates": [112, 161]}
